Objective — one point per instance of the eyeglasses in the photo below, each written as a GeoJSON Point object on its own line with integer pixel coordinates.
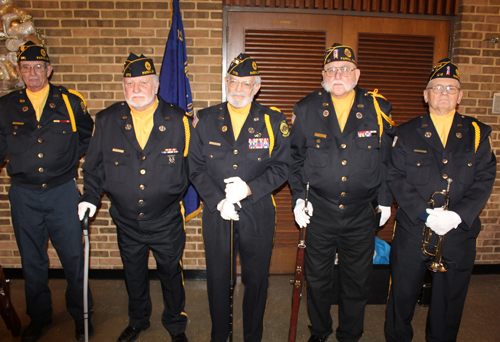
{"type": "Point", "coordinates": [27, 68]}
{"type": "Point", "coordinates": [439, 89]}
{"type": "Point", "coordinates": [344, 71]}
{"type": "Point", "coordinates": [233, 84]}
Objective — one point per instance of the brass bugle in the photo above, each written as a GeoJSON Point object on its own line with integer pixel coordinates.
{"type": "Point", "coordinates": [435, 262]}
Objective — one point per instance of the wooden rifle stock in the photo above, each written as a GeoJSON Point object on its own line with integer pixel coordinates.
{"type": "Point", "coordinates": [7, 310]}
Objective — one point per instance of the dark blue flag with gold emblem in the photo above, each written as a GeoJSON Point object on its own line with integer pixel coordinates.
{"type": "Point", "coordinates": [174, 86]}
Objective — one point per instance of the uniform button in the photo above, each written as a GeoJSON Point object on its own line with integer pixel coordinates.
{"type": "Point", "coordinates": [341, 206]}
{"type": "Point", "coordinates": [469, 165]}
{"type": "Point", "coordinates": [259, 159]}
{"type": "Point", "coordinates": [39, 126]}
{"type": "Point", "coordinates": [318, 141]}
{"type": "Point", "coordinates": [342, 194]}
{"type": "Point", "coordinates": [141, 201]}
{"type": "Point", "coordinates": [418, 164]}
{"type": "Point", "coordinates": [317, 146]}
{"type": "Point", "coordinates": [344, 178]}
{"type": "Point", "coordinates": [44, 185]}
{"type": "Point", "coordinates": [14, 133]}
{"type": "Point", "coordinates": [142, 187]}
{"type": "Point", "coordinates": [445, 176]}
{"type": "Point", "coordinates": [40, 169]}
{"type": "Point", "coordinates": [445, 161]}
{"type": "Point", "coordinates": [141, 215]}
{"type": "Point", "coordinates": [40, 140]}
{"type": "Point", "coordinates": [116, 163]}
{"type": "Point", "coordinates": [235, 152]}
{"type": "Point", "coordinates": [344, 162]}
{"type": "Point", "coordinates": [211, 156]}
{"type": "Point", "coordinates": [369, 146]}
{"type": "Point", "coordinates": [143, 172]}
{"type": "Point", "coordinates": [235, 166]}
{"type": "Point", "coordinates": [343, 146]}
{"type": "Point", "coordinates": [40, 155]}
{"type": "Point", "coordinates": [143, 158]}
{"type": "Point", "coordinates": [15, 127]}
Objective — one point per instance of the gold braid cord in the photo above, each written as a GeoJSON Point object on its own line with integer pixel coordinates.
{"type": "Point", "coordinates": [477, 135]}
{"type": "Point", "coordinates": [74, 92]}
{"type": "Point", "coordinates": [380, 113]}
{"type": "Point", "coordinates": [187, 135]}
{"type": "Point", "coordinates": [70, 111]}
{"type": "Point", "coordinates": [270, 133]}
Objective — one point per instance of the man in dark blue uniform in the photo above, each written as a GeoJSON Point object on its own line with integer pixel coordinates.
{"type": "Point", "coordinates": [239, 154]}
{"type": "Point", "coordinates": [137, 155]}
{"type": "Point", "coordinates": [45, 129]}
{"type": "Point", "coordinates": [427, 152]}
{"type": "Point", "coordinates": [340, 141]}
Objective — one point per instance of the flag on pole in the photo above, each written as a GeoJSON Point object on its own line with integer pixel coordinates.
{"type": "Point", "coordinates": [174, 87]}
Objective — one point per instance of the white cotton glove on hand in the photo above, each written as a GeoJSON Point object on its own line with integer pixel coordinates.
{"type": "Point", "coordinates": [236, 189]}
{"type": "Point", "coordinates": [385, 214]}
{"type": "Point", "coordinates": [82, 209]}
{"type": "Point", "coordinates": [299, 212]}
{"type": "Point", "coordinates": [227, 211]}
{"type": "Point", "coordinates": [442, 221]}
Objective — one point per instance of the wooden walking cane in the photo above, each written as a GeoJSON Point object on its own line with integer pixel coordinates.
{"type": "Point", "coordinates": [298, 279]}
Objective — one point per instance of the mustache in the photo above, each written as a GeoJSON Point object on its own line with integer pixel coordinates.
{"type": "Point", "coordinates": [237, 93]}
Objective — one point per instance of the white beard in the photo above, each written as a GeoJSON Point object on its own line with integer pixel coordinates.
{"type": "Point", "coordinates": [138, 104]}
{"type": "Point", "coordinates": [239, 104]}
{"type": "Point", "coordinates": [329, 86]}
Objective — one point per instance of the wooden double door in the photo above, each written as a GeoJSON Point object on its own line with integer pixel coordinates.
{"type": "Point", "coordinates": [394, 55]}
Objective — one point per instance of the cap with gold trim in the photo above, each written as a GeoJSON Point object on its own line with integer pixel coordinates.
{"type": "Point", "coordinates": [242, 66]}
{"type": "Point", "coordinates": [339, 52]}
{"type": "Point", "coordinates": [30, 51]}
{"type": "Point", "coordinates": [136, 66]}
{"type": "Point", "coordinates": [445, 69]}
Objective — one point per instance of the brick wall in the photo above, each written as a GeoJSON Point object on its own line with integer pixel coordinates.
{"type": "Point", "coordinates": [89, 40]}
{"type": "Point", "coordinates": [479, 65]}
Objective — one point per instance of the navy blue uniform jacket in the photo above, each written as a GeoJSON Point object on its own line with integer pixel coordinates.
{"type": "Point", "coordinates": [141, 184]}
{"type": "Point", "coordinates": [45, 154]}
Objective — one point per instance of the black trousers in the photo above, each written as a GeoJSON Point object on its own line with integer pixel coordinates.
{"type": "Point", "coordinates": [352, 235]}
{"type": "Point", "coordinates": [165, 236]}
{"type": "Point", "coordinates": [54, 213]}
{"type": "Point", "coordinates": [449, 289]}
{"type": "Point", "coordinates": [254, 234]}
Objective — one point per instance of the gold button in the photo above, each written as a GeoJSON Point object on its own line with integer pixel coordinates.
{"type": "Point", "coordinates": [445, 161]}
{"type": "Point", "coordinates": [343, 146]}
{"type": "Point", "coordinates": [211, 156]}
{"type": "Point", "coordinates": [141, 215]}
{"type": "Point", "coordinates": [418, 164]}
{"type": "Point", "coordinates": [40, 169]}
{"type": "Point", "coordinates": [445, 176]}
{"type": "Point", "coordinates": [369, 146]}
{"type": "Point", "coordinates": [40, 155]}
{"type": "Point", "coordinates": [15, 127]}
{"type": "Point", "coordinates": [317, 146]}
{"type": "Point", "coordinates": [235, 167]}
{"type": "Point", "coordinates": [14, 133]}
{"type": "Point", "coordinates": [235, 152]}
{"type": "Point", "coordinates": [344, 162]}
{"type": "Point", "coordinates": [344, 178]}
{"type": "Point", "coordinates": [142, 187]}
{"type": "Point", "coordinates": [341, 206]}
{"type": "Point", "coordinates": [143, 158]}
{"type": "Point", "coordinates": [318, 141]}
{"type": "Point", "coordinates": [143, 172]}
{"type": "Point", "coordinates": [116, 163]}
{"type": "Point", "coordinates": [44, 185]}
{"type": "Point", "coordinates": [141, 201]}
{"type": "Point", "coordinates": [342, 194]}
{"type": "Point", "coordinates": [259, 159]}
{"type": "Point", "coordinates": [40, 140]}
{"type": "Point", "coordinates": [469, 165]}
{"type": "Point", "coordinates": [39, 126]}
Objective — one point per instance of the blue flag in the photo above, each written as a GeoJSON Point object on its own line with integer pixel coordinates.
{"type": "Point", "coordinates": [174, 87]}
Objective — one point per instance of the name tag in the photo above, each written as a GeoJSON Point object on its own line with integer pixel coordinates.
{"type": "Point", "coordinates": [118, 150]}
{"type": "Point", "coordinates": [420, 151]}
{"type": "Point", "coordinates": [18, 123]}
{"type": "Point", "coordinates": [214, 143]}
{"type": "Point", "coordinates": [258, 143]}
{"type": "Point", "coordinates": [319, 135]}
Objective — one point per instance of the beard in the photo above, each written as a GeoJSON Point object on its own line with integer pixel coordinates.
{"type": "Point", "coordinates": [239, 104]}
{"type": "Point", "coordinates": [329, 86]}
{"type": "Point", "coordinates": [139, 101]}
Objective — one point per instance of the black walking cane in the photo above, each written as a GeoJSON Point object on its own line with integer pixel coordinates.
{"type": "Point", "coordinates": [85, 228]}
{"type": "Point", "coordinates": [232, 281]}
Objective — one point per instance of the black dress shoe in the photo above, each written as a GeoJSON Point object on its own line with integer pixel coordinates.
{"type": "Point", "coordinates": [179, 337]}
{"type": "Point", "coordinates": [131, 334]}
{"type": "Point", "coordinates": [316, 338]}
{"type": "Point", "coordinates": [80, 329]}
{"type": "Point", "coordinates": [34, 331]}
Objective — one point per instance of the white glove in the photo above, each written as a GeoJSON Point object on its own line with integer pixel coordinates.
{"type": "Point", "coordinates": [227, 211]}
{"type": "Point", "coordinates": [385, 214]}
{"type": "Point", "coordinates": [236, 189]}
{"type": "Point", "coordinates": [82, 209]}
{"type": "Point", "coordinates": [299, 212]}
{"type": "Point", "coordinates": [442, 221]}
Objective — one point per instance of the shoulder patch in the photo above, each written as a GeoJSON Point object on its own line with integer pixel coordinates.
{"type": "Point", "coordinates": [285, 131]}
